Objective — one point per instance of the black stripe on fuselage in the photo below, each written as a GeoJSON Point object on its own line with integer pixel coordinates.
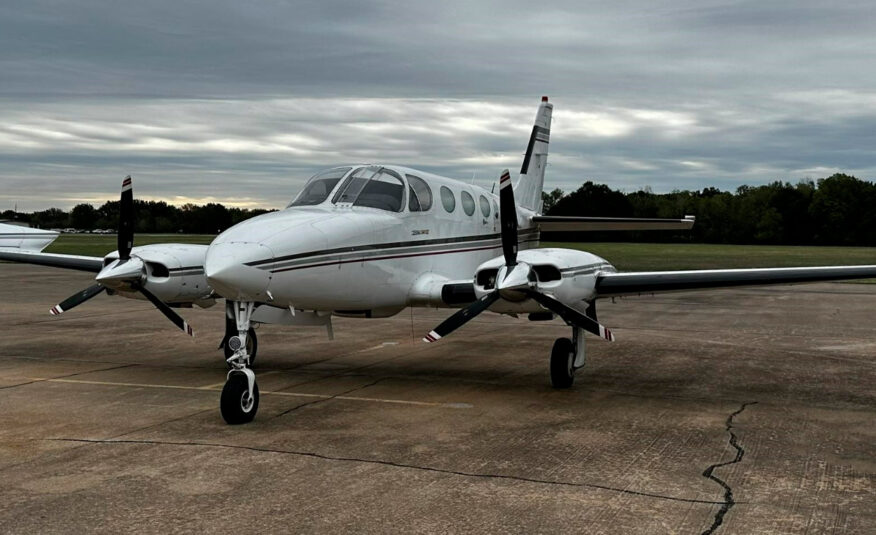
{"type": "Point", "coordinates": [379, 256]}
{"type": "Point", "coordinates": [388, 245]}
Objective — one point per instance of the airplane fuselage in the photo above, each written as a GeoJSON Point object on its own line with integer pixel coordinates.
{"type": "Point", "coordinates": [360, 259]}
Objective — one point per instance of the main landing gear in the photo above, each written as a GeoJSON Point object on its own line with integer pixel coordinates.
{"type": "Point", "coordinates": [566, 357]}
{"type": "Point", "coordinates": [240, 395]}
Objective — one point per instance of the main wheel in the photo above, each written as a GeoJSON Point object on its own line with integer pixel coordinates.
{"type": "Point", "coordinates": [562, 363]}
{"type": "Point", "coordinates": [235, 405]}
{"type": "Point", "coordinates": [252, 347]}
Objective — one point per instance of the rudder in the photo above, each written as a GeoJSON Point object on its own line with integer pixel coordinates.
{"type": "Point", "coordinates": [530, 183]}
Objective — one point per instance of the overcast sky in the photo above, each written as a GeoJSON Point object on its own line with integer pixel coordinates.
{"type": "Point", "coordinates": [239, 102]}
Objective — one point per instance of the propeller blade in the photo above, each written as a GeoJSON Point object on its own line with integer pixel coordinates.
{"type": "Point", "coordinates": [76, 299]}
{"type": "Point", "coordinates": [508, 219]}
{"type": "Point", "coordinates": [167, 311]}
{"type": "Point", "coordinates": [461, 317]}
{"type": "Point", "coordinates": [572, 316]}
{"type": "Point", "coordinates": [126, 219]}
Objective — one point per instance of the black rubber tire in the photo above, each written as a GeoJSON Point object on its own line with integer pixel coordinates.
{"type": "Point", "coordinates": [562, 360]}
{"type": "Point", "coordinates": [252, 343]}
{"type": "Point", "coordinates": [231, 404]}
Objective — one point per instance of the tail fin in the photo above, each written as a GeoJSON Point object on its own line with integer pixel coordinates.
{"type": "Point", "coordinates": [529, 184]}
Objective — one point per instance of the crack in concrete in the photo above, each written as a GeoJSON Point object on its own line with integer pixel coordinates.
{"type": "Point", "coordinates": [728, 502]}
{"type": "Point", "coordinates": [393, 464]}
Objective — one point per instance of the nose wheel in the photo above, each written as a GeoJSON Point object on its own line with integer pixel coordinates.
{"type": "Point", "coordinates": [240, 397]}
{"type": "Point", "coordinates": [239, 401]}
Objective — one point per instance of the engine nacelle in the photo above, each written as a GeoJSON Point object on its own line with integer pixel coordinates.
{"type": "Point", "coordinates": [567, 274]}
{"type": "Point", "coordinates": [174, 273]}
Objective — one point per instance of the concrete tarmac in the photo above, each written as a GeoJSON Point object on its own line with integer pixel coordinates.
{"type": "Point", "coordinates": [727, 411]}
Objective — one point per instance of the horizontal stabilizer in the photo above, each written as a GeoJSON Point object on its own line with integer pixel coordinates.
{"type": "Point", "coordinates": [613, 284]}
{"type": "Point", "coordinates": [585, 224]}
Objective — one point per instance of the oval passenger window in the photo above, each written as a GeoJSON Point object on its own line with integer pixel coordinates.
{"type": "Point", "coordinates": [447, 199]}
{"type": "Point", "coordinates": [468, 205]}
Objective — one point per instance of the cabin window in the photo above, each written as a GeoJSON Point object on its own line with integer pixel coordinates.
{"type": "Point", "coordinates": [373, 187]}
{"type": "Point", "coordinates": [468, 205]}
{"type": "Point", "coordinates": [447, 199]}
{"type": "Point", "coordinates": [317, 189]}
{"type": "Point", "coordinates": [419, 194]}
{"type": "Point", "coordinates": [485, 206]}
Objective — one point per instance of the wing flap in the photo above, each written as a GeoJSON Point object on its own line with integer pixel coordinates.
{"type": "Point", "coordinates": [614, 284]}
{"type": "Point", "coordinates": [584, 224]}
{"type": "Point", "coordinates": [91, 264]}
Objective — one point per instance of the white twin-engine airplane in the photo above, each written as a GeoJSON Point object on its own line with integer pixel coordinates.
{"type": "Point", "coordinates": [369, 240]}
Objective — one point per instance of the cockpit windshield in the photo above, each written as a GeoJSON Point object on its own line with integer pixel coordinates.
{"type": "Point", "coordinates": [374, 187]}
{"type": "Point", "coordinates": [319, 186]}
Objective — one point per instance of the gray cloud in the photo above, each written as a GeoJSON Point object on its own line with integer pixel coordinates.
{"type": "Point", "coordinates": [239, 102]}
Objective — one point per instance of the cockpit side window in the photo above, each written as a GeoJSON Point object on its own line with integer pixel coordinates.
{"type": "Point", "coordinates": [317, 189]}
{"type": "Point", "coordinates": [419, 194]}
{"type": "Point", "coordinates": [374, 187]}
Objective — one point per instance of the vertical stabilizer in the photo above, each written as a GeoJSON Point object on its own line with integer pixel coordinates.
{"type": "Point", "coordinates": [529, 185]}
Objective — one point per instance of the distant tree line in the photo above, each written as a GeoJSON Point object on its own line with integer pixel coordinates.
{"type": "Point", "coordinates": [839, 210]}
{"type": "Point", "coordinates": [151, 216]}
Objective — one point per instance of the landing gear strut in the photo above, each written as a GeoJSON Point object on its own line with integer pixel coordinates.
{"type": "Point", "coordinates": [567, 356]}
{"type": "Point", "coordinates": [252, 342]}
{"type": "Point", "coordinates": [240, 395]}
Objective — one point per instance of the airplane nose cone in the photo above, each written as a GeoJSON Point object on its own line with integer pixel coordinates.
{"type": "Point", "coordinates": [231, 273]}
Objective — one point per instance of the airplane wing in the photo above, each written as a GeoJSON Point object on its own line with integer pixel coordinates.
{"type": "Point", "coordinates": [646, 282]}
{"type": "Point", "coordinates": [91, 264]}
{"type": "Point", "coordinates": [579, 224]}
{"type": "Point", "coordinates": [25, 238]}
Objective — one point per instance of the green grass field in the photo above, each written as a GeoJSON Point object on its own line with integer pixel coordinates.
{"type": "Point", "coordinates": [625, 256]}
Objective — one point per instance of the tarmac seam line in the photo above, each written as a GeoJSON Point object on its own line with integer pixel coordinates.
{"type": "Point", "coordinates": [393, 464]}
{"type": "Point", "coordinates": [728, 502]}
{"type": "Point", "coordinates": [60, 377]}
{"type": "Point", "coordinates": [329, 398]}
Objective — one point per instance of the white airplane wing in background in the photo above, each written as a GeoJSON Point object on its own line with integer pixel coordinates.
{"type": "Point", "coordinates": [25, 238]}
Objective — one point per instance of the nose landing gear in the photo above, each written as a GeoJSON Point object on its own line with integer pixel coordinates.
{"type": "Point", "coordinates": [239, 401]}
{"type": "Point", "coordinates": [230, 341]}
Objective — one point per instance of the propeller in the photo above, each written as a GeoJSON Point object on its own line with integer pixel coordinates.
{"type": "Point", "coordinates": [77, 299]}
{"type": "Point", "coordinates": [126, 273]}
{"type": "Point", "coordinates": [126, 219]}
{"type": "Point", "coordinates": [516, 281]}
